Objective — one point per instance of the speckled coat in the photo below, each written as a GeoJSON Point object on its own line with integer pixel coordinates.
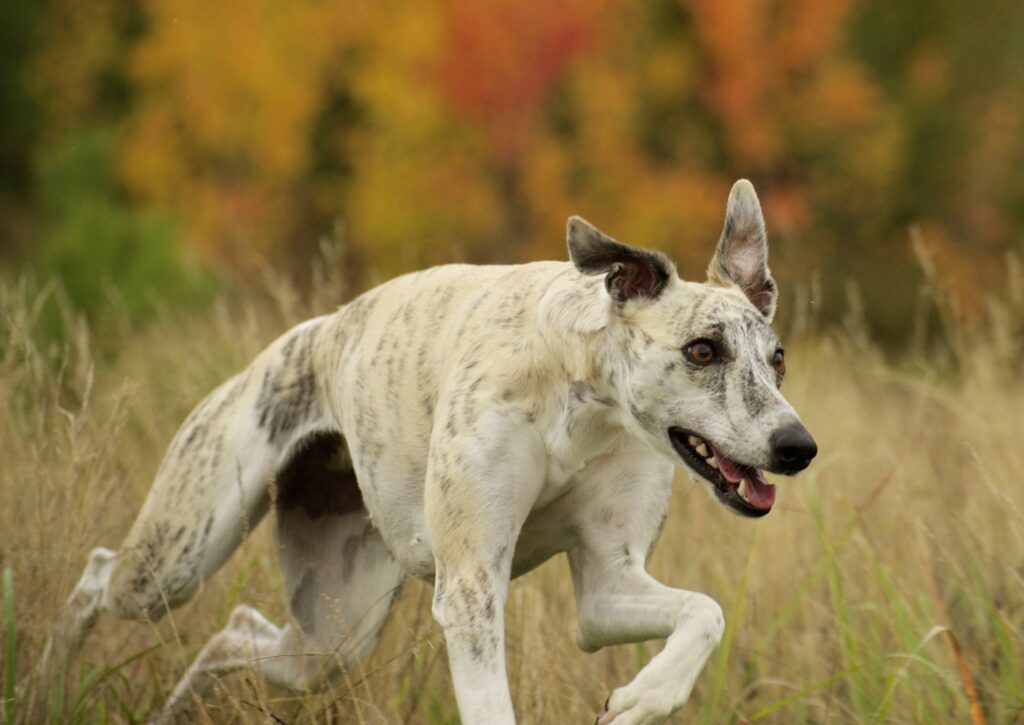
{"type": "Point", "coordinates": [463, 424]}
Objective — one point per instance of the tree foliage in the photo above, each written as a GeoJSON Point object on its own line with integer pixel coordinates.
{"type": "Point", "coordinates": [448, 130]}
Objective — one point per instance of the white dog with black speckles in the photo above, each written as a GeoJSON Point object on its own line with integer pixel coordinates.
{"type": "Point", "coordinates": [464, 424]}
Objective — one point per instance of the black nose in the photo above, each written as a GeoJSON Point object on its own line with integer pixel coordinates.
{"type": "Point", "coordinates": [793, 448]}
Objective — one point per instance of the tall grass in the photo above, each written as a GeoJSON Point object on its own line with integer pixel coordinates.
{"type": "Point", "coordinates": [10, 649]}
{"type": "Point", "coordinates": [886, 587]}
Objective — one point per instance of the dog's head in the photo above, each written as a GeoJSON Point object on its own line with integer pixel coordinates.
{"type": "Point", "coordinates": [696, 366]}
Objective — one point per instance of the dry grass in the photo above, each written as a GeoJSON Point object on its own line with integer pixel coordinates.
{"type": "Point", "coordinates": [888, 586]}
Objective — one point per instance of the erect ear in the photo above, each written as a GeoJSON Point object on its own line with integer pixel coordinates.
{"type": "Point", "coordinates": [630, 272]}
{"type": "Point", "coordinates": [742, 254]}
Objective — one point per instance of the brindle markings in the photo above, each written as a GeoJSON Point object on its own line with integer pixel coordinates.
{"type": "Point", "coordinates": [694, 312]}
{"type": "Point", "coordinates": [754, 397]}
{"type": "Point", "coordinates": [289, 393]}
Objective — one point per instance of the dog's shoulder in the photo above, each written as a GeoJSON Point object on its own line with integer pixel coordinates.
{"type": "Point", "coordinates": [456, 294]}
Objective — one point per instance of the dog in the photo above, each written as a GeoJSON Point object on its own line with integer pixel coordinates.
{"type": "Point", "coordinates": [464, 424]}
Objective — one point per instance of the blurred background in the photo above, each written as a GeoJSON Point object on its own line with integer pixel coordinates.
{"type": "Point", "coordinates": [183, 180]}
{"type": "Point", "coordinates": [159, 151]}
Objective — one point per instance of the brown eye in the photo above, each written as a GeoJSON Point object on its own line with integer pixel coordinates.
{"type": "Point", "coordinates": [701, 352]}
{"type": "Point", "coordinates": [779, 362]}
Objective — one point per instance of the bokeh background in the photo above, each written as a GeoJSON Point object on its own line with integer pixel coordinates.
{"type": "Point", "coordinates": [183, 180]}
{"type": "Point", "coordinates": [161, 148]}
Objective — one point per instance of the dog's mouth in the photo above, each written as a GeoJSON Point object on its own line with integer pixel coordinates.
{"type": "Point", "coordinates": [742, 488]}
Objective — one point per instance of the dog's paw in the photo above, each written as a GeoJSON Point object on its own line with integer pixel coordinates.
{"type": "Point", "coordinates": [630, 707]}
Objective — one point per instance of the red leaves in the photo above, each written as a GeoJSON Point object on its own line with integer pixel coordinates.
{"type": "Point", "coordinates": [502, 59]}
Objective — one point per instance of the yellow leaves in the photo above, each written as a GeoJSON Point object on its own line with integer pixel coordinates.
{"type": "Point", "coordinates": [455, 148]}
{"type": "Point", "coordinates": [236, 73]}
{"type": "Point", "coordinates": [680, 212]}
{"type": "Point", "coordinates": [670, 72]}
{"type": "Point", "coordinates": [152, 161]}
{"type": "Point", "coordinates": [841, 96]}
{"type": "Point", "coordinates": [413, 213]}
{"type": "Point", "coordinates": [468, 130]}
{"type": "Point", "coordinates": [229, 92]}
{"type": "Point", "coordinates": [421, 194]}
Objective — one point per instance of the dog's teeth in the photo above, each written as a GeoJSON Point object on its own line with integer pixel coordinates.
{"type": "Point", "coordinates": [743, 489]}
{"type": "Point", "coordinates": [694, 441]}
{"type": "Point", "coordinates": [702, 449]}
{"type": "Point", "coordinates": [713, 462]}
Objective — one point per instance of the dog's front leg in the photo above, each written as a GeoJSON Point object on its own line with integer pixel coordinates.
{"type": "Point", "coordinates": [619, 602]}
{"type": "Point", "coordinates": [470, 608]}
{"type": "Point", "coordinates": [479, 492]}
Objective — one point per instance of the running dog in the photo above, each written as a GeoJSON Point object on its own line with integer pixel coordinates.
{"type": "Point", "coordinates": [464, 424]}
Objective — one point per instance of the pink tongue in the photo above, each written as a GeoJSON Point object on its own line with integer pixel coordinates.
{"type": "Point", "coordinates": [760, 493]}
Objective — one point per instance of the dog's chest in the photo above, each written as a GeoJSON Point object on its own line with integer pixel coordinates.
{"type": "Point", "coordinates": [576, 433]}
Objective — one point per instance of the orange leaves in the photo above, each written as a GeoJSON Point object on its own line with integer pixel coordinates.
{"type": "Point", "coordinates": [480, 125]}
{"type": "Point", "coordinates": [808, 32]}
{"type": "Point", "coordinates": [469, 130]}
{"type": "Point", "coordinates": [735, 37]}
{"type": "Point", "coordinates": [763, 52]}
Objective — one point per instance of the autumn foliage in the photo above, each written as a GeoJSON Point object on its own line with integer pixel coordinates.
{"type": "Point", "coordinates": [463, 130]}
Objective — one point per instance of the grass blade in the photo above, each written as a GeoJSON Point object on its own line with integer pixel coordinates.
{"type": "Point", "coordinates": [977, 716]}
{"type": "Point", "coordinates": [709, 712]}
{"type": "Point", "coordinates": [819, 685]}
{"type": "Point", "coordinates": [10, 653]}
{"type": "Point", "coordinates": [97, 677]}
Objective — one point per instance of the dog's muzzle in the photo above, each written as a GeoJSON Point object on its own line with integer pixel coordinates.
{"type": "Point", "coordinates": [744, 488]}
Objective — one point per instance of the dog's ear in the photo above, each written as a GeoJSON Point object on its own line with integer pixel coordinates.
{"type": "Point", "coordinates": [742, 254]}
{"type": "Point", "coordinates": [630, 272]}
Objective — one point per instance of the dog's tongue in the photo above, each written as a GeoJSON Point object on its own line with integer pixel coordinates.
{"type": "Point", "coordinates": [760, 493]}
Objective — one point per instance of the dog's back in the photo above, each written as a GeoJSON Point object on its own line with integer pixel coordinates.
{"type": "Point", "coordinates": [370, 375]}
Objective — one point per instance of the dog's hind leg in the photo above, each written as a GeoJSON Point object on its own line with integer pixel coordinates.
{"type": "Point", "coordinates": [81, 610]}
{"type": "Point", "coordinates": [340, 578]}
{"type": "Point", "coordinates": [204, 498]}
{"type": "Point", "coordinates": [210, 490]}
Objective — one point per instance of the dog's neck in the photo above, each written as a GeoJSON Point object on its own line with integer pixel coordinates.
{"type": "Point", "coordinates": [578, 335]}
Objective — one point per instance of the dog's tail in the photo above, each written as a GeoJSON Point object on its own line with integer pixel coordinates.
{"type": "Point", "coordinates": [215, 482]}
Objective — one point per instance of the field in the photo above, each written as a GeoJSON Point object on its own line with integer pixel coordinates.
{"type": "Point", "coordinates": [887, 586]}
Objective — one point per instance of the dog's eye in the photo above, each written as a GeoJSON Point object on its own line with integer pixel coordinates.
{"type": "Point", "coordinates": [701, 352]}
{"type": "Point", "coordinates": [779, 362]}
